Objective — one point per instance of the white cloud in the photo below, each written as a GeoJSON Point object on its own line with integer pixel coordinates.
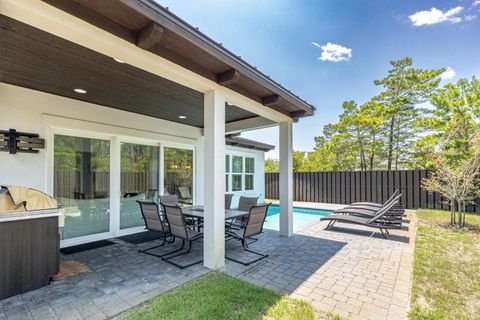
{"type": "Point", "coordinates": [434, 16]}
{"type": "Point", "coordinates": [448, 74]}
{"type": "Point", "coordinates": [476, 3]}
{"type": "Point", "coordinates": [334, 52]}
{"type": "Point", "coordinates": [470, 17]}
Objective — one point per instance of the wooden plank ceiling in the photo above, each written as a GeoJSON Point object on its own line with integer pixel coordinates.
{"type": "Point", "coordinates": [154, 28]}
{"type": "Point", "coordinates": [38, 60]}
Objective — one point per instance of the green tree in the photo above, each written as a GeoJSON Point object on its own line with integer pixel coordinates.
{"type": "Point", "coordinates": [272, 165]}
{"type": "Point", "coordinates": [405, 88]}
{"type": "Point", "coordinates": [455, 119]}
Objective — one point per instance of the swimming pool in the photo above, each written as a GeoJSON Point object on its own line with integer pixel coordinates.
{"type": "Point", "coordinates": [301, 217]}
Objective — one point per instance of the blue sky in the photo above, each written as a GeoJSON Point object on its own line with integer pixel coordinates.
{"type": "Point", "coordinates": [285, 39]}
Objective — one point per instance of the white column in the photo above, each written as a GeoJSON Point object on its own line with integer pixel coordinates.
{"type": "Point", "coordinates": [214, 180]}
{"type": "Point", "coordinates": [286, 179]}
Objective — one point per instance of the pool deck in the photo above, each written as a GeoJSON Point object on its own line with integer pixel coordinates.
{"type": "Point", "coordinates": [314, 205]}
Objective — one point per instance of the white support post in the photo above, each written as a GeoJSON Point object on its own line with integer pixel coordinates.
{"type": "Point", "coordinates": [286, 179]}
{"type": "Point", "coordinates": [214, 180]}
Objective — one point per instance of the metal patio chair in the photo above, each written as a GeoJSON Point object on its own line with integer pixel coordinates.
{"type": "Point", "coordinates": [244, 204]}
{"type": "Point", "coordinates": [154, 222]}
{"type": "Point", "coordinates": [253, 227]}
{"type": "Point", "coordinates": [228, 200]}
{"type": "Point", "coordinates": [180, 230]}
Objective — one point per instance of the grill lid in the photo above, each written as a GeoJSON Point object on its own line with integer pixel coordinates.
{"type": "Point", "coordinates": [18, 199]}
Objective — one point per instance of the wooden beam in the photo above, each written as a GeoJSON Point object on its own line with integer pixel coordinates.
{"type": "Point", "coordinates": [248, 124]}
{"type": "Point", "coordinates": [228, 77]}
{"type": "Point", "coordinates": [271, 100]}
{"type": "Point", "coordinates": [149, 36]}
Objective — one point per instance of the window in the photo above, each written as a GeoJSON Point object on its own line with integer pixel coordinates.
{"type": "Point", "coordinates": [138, 181]}
{"type": "Point", "coordinates": [178, 173]}
{"type": "Point", "coordinates": [81, 171]}
{"type": "Point", "coordinates": [239, 173]}
{"type": "Point", "coordinates": [227, 172]}
{"type": "Point", "coordinates": [249, 173]}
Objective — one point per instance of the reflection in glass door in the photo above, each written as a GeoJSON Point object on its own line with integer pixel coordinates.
{"type": "Point", "coordinates": [139, 181]}
{"type": "Point", "coordinates": [178, 172]}
{"type": "Point", "coordinates": [82, 184]}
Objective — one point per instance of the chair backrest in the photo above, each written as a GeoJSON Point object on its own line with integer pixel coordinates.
{"type": "Point", "coordinates": [245, 203]}
{"type": "Point", "coordinates": [170, 200]}
{"type": "Point", "coordinates": [175, 221]}
{"type": "Point", "coordinates": [228, 200]}
{"type": "Point", "coordinates": [150, 194]}
{"type": "Point", "coordinates": [151, 215]}
{"type": "Point", "coordinates": [392, 197]}
{"type": "Point", "coordinates": [385, 209]}
{"type": "Point", "coordinates": [185, 192]}
{"type": "Point", "coordinates": [255, 220]}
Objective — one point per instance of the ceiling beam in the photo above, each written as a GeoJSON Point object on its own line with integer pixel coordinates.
{"type": "Point", "coordinates": [271, 100]}
{"type": "Point", "coordinates": [228, 77]}
{"type": "Point", "coordinates": [149, 36]}
{"type": "Point", "coordinates": [248, 124]}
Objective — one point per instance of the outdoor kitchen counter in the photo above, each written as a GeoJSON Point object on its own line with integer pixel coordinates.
{"type": "Point", "coordinates": [25, 215]}
{"type": "Point", "coordinates": [29, 250]}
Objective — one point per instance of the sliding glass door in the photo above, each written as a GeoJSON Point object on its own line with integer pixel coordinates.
{"type": "Point", "coordinates": [98, 181]}
{"type": "Point", "coordinates": [82, 184]}
{"type": "Point", "coordinates": [139, 180]}
{"type": "Point", "coordinates": [178, 173]}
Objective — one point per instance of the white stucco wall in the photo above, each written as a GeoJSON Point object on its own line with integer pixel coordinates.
{"type": "Point", "coordinates": [37, 112]}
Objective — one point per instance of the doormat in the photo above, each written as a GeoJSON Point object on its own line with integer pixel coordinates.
{"type": "Point", "coordinates": [141, 237]}
{"type": "Point", "coordinates": [69, 269]}
{"type": "Point", "coordinates": [86, 246]}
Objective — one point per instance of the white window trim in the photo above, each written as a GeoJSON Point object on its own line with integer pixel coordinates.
{"type": "Point", "coordinates": [230, 174]}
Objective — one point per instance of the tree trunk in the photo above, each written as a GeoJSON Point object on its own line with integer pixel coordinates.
{"type": "Point", "coordinates": [390, 143]}
{"type": "Point", "coordinates": [372, 156]}
{"type": "Point", "coordinates": [452, 212]}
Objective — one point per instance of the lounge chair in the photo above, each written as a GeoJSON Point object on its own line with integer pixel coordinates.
{"type": "Point", "coordinates": [378, 221]}
{"type": "Point", "coordinates": [180, 230]}
{"type": "Point", "coordinates": [374, 204]}
{"type": "Point", "coordinates": [394, 213]}
{"type": "Point", "coordinates": [154, 222]}
{"type": "Point", "coordinates": [253, 227]}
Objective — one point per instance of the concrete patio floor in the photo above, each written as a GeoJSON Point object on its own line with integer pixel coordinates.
{"type": "Point", "coordinates": [344, 270]}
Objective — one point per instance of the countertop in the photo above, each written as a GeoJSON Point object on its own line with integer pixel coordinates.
{"type": "Point", "coordinates": [26, 215]}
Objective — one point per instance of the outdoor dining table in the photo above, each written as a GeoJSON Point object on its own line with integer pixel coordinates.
{"type": "Point", "coordinates": [198, 212]}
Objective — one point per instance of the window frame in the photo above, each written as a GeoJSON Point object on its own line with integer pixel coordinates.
{"type": "Point", "coordinates": [243, 175]}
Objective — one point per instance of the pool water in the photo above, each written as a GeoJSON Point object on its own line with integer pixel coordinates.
{"type": "Point", "coordinates": [301, 217]}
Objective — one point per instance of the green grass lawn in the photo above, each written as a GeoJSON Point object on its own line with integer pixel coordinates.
{"type": "Point", "coordinates": [446, 271]}
{"type": "Point", "coordinates": [218, 296]}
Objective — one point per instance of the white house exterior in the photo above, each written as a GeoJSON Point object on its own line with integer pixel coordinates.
{"type": "Point", "coordinates": [106, 137]}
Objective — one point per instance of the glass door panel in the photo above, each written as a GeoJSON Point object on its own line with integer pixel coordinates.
{"type": "Point", "coordinates": [178, 172]}
{"type": "Point", "coordinates": [82, 184]}
{"type": "Point", "coordinates": [138, 180]}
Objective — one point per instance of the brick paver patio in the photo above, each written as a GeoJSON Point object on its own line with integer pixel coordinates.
{"type": "Point", "coordinates": [343, 270]}
{"type": "Point", "coordinates": [340, 270]}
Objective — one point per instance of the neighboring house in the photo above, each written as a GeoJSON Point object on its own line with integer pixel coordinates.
{"type": "Point", "coordinates": [132, 103]}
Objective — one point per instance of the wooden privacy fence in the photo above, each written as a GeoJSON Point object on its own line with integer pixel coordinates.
{"type": "Point", "coordinates": [346, 187]}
